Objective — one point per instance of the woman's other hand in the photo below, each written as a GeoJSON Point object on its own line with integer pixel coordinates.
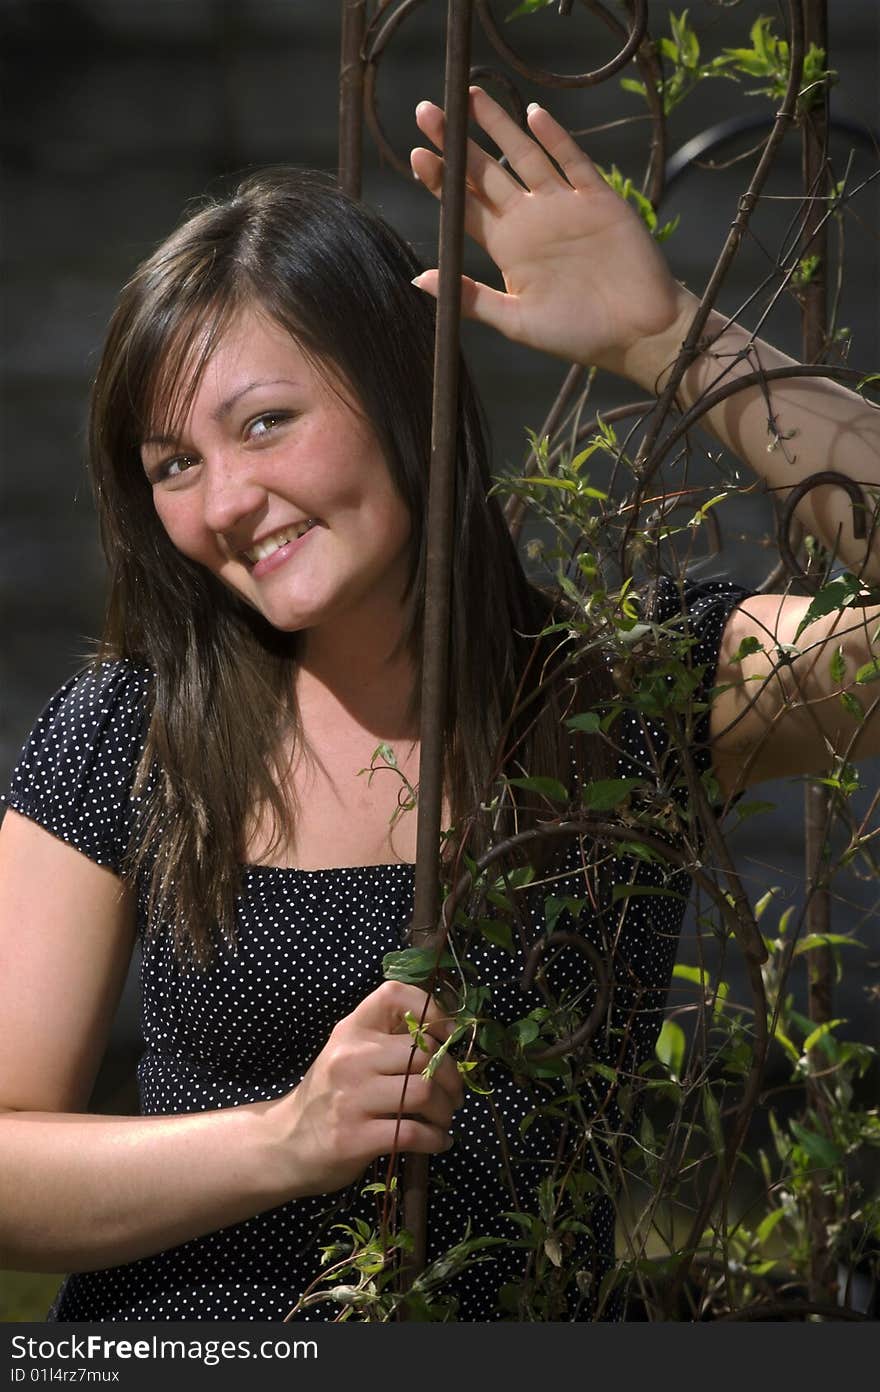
{"type": "Point", "coordinates": [583, 278]}
{"type": "Point", "coordinates": [365, 1096]}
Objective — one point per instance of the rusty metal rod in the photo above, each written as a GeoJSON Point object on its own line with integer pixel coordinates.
{"type": "Point", "coordinates": [351, 97]}
{"type": "Point", "coordinates": [441, 505]}
{"type": "Point", "coordinates": [817, 799]}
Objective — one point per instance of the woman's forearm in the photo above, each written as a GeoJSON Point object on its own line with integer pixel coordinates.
{"type": "Point", "coordinates": [84, 1192]}
{"type": "Point", "coordinates": [812, 424]}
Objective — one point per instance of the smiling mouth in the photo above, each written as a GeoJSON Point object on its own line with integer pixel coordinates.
{"type": "Point", "coordinates": [271, 544]}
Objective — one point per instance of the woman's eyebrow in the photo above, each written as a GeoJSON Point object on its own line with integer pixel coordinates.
{"type": "Point", "coordinates": [221, 411]}
{"type": "Point", "coordinates": [226, 406]}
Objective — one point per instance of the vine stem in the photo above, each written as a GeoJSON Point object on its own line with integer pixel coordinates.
{"type": "Point", "coordinates": [644, 463]}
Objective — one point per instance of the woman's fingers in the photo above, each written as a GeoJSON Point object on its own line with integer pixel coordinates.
{"type": "Point", "coordinates": [525, 156]}
{"type": "Point", "coordinates": [479, 214]}
{"type": "Point", "coordinates": [528, 155]}
{"type": "Point", "coordinates": [406, 1134]}
{"type": "Point", "coordinates": [478, 301]}
{"type": "Point", "coordinates": [386, 1009]}
{"type": "Point", "coordinates": [412, 1095]}
{"type": "Point", "coordinates": [576, 165]}
{"type": "Point", "coordinates": [485, 175]}
{"type": "Point", "coordinates": [445, 1075]}
{"type": "Point", "coordinates": [386, 1013]}
{"type": "Point", "coordinates": [390, 1062]}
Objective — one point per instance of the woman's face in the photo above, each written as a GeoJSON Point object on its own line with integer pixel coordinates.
{"type": "Point", "coordinates": [278, 486]}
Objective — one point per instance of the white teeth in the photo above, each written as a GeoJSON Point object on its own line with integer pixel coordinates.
{"type": "Point", "coordinates": [272, 543]}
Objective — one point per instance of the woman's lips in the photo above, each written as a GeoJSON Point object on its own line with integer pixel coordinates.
{"type": "Point", "coordinates": [283, 554]}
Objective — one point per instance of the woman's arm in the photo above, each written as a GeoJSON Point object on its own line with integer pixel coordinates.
{"type": "Point", "coordinates": [82, 1192]}
{"type": "Point", "coordinates": [585, 281]}
{"type": "Point", "coordinates": [779, 711]}
{"type": "Point", "coordinates": [785, 430]}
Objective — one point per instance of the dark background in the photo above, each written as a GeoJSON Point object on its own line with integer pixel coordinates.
{"type": "Point", "coordinates": [119, 112]}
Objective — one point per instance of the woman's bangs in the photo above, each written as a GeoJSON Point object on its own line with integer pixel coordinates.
{"type": "Point", "coordinates": [175, 370]}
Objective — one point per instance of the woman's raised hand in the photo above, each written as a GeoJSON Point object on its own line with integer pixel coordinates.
{"type": "Point", "coordinates": [583, 278]}
{"type": "Point", "coordinates": [344, 1113]}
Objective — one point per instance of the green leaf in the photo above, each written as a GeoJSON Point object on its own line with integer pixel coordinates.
{"type": "Point", "coordinates": [820, 1032]}
{"type": "Point", "coordinates": [787, 652]}
{"type": "Point", "coordinates": [590, 722]}
{"type": "Point", "coordinates": [553, 907]}
{"type": "Point", "coordinates": [764, 901]}
{"type": "Point", "coordinates": [813, 940]}
{"type": "Point", "coordinates": [712, 1117]}
{"type": "Point", "coordinates": [869, 673]}
{"type": "Point", "coordinates": [464, 1070]}
{"type": "Point", "coordinates": [605, 793]}
{"type": "Point", "coordinates": [665, 232]}
{"type": "Point", "coordinates": [837, 594]}
{"type": "Point", "coordinates": [550, 1068]}
{"type": "Point", "coordinates": [413, 965]}
{"type": "Point", "coordinates": [670, 1047]}
{"type": "Point", "coordinates": [648, 1138]}
{"type": "Point", "coordinates": [768, 1223]}
{"type": "Point", "coordinates": [721, 993]}
{"type": "Point", "coordinates": [818, 1147]}
{"type": "Point", "coordinates": [641, 852]}
{"type": "Point", "coordinates": [381, 1187]}
{"type": "Point", "coordinates": [497, 931]}
{"type": "Point", "coordinates": [753, 809]}
{"type": "Point", "coordinates": [525, 1031]}
{"type": "Point", "coordinates": [837, 667]}
{"type": "Point", "coordinates": [547, 787]}
{"type": "Point", "coordinates": [695, 974]}
{"type": "Point", "coordinates": [783, 1039]}
{"type": "Point", "coordinates": [604, 1071]}
{"type": "Point", "coordinates": [567, 485]}
{"type": "Point", "coordinates": [851, 705]}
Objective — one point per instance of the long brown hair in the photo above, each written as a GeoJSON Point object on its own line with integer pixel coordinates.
{"type": "Point", "coordinates": [338, 279]}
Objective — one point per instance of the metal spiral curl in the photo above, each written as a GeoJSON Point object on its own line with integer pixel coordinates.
{"type": "Point", "coordinates": [818, 480]}
{"type": "Point", "coordinates": [571, 1043]}
{"type": "Point", "coordinates": [545, 78]}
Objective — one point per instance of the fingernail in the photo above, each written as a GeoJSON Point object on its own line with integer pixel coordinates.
{"type": "Point", "coordinates": [420, 104]}
{"type": "Point", "coordinates": [532, 106]}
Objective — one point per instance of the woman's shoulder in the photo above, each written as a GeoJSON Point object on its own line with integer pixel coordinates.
{"type": "Point", "coordinates": [686, 595]}
{"type": "Point", "coordinates": [76, 769]}
{"type": "Point", "coordinates": [112, 692]}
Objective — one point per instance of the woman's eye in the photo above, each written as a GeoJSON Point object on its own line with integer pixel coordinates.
{"type": "Point", "coordinates": [264, 425]}
{"type": "Point", "coordinates": [173, 468]}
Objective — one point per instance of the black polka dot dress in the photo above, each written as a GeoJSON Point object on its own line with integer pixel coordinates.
{"type": "Point", "coordinates": [309, 947]}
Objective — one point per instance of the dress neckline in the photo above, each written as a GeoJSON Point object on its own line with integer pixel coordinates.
{"type": "Point", "coordinates": [326, 870]}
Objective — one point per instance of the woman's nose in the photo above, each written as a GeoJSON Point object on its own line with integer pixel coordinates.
{"type": "Point", "coordinates": [232, 496]}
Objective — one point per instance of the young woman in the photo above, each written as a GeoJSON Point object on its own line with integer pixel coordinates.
{"type": "Point", "coordinates": [259, 444]}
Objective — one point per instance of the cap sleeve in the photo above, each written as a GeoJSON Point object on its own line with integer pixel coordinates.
{"type": "Point", "coordinates": [76, 770]}
{"type": "Point", "coordinates": [699, 611]}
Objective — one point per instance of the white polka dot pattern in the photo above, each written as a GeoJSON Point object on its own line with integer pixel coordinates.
{"type": "Point", "coordinates": [309, 947]}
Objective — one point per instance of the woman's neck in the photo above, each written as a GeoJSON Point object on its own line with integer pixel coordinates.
{"type": "Point", "coordinates": [356, 685]}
